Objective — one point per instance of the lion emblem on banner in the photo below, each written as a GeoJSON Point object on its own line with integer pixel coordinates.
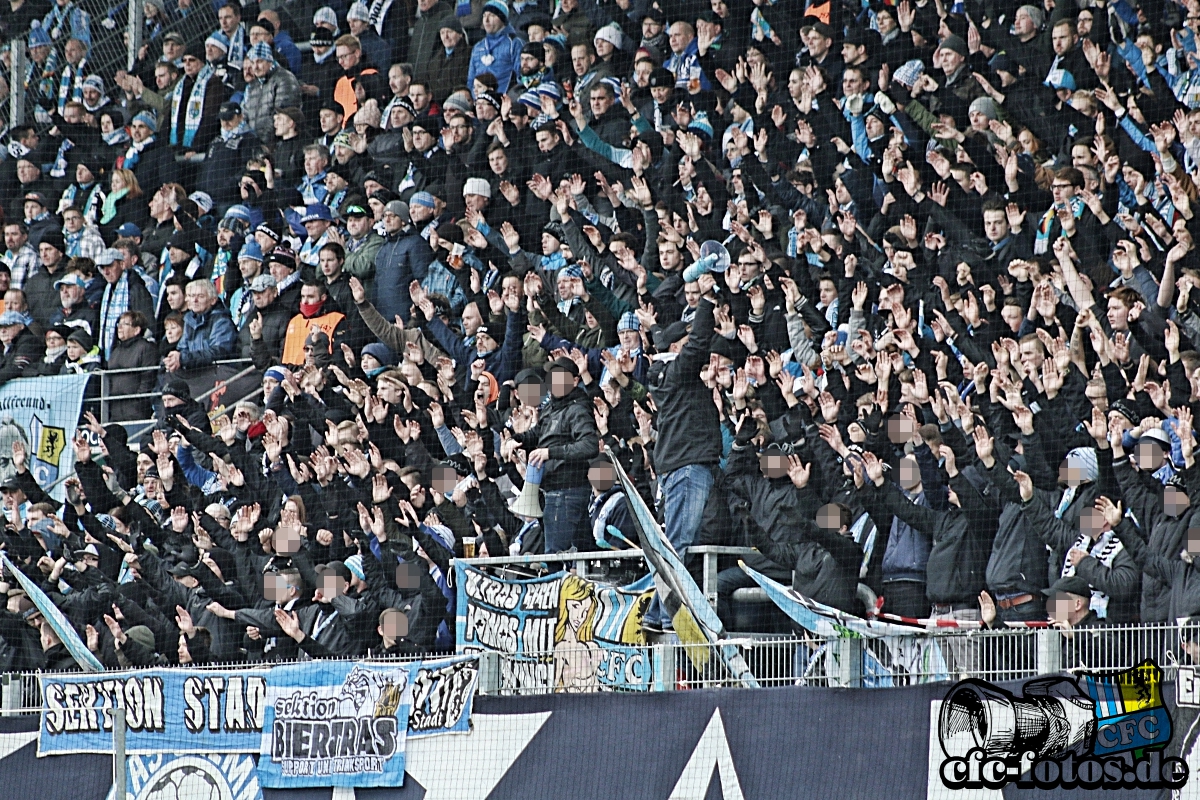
{"type": "Point", "coordinates": [372, 693]}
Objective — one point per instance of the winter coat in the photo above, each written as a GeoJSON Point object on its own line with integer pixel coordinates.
{"type": "Point", "coordinates": [498, 53]}
{"type": "Point", "coordinates": [403, 258]}
{"type": "Point", "coordinates": [136, 352]}
{"type": "Point", "coordinates": [567, 428]}
{"type": "Point", "coordinates": [223, 163]}
{"type": "Point", "coordinates": [689, 429]}
{"type": "Point", "coordinates": [206, 338]}
{"type": "Point", "coordinates": [280, 89]}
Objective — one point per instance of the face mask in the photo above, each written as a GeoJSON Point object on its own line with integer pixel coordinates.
{"type": "Point", "coordinates": [311, 309]}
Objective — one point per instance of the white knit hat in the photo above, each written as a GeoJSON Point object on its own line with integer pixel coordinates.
{"type": "Point", "coordinates": [477, 186]}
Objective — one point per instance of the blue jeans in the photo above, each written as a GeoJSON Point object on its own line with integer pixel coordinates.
{"type": "Point", "coordinates": [684, 495]}
{"type": "Point", "coordinates": [565, 520]}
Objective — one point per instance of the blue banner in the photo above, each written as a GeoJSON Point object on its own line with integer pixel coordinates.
{"type": "Point", "coordinates": [333, 724]}
{"type": "Point", "coordinates": [215, 712]}
{"type": "Point", "coordinates": [47, 409]}
{"type": "Point", "coordinates": [561, 630]}
{"type": "Point", "coordinates": [232, 776]}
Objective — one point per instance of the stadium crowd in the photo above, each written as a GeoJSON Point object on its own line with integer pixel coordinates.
{"type": "Point", "coordinates": [952, 354]}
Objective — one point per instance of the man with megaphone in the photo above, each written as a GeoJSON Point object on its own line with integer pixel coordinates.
{"type": "Point", "coordinates": [689, 428]}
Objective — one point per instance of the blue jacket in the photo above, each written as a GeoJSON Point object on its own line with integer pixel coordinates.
{"type": "Point", "coordinates": [286, 47]}
{"type": "Point", "coordinates": [207, 338]}
{"type": "Point", "coordinates": [502, 52]}
{"type": "Point", "coordinates": [404, 257]}
{"type": "Point", "coordinates": [502, 363]}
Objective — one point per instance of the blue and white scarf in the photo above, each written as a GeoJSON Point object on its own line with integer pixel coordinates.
{"type": "Point", "coordinates": [94, 195]}
{"type": "Point", "coordinates": [134, 153]}
{"type": "Point", "coordinates": [237, 48]}
{"type": "Point", "coordinates": [1042, 242]}
{"type": "Point", "coordinates": [115, 303]}
{"type": "Point", "coordinates": [194, 113]}
{"type": "Point", "coordinates": [70, 85]}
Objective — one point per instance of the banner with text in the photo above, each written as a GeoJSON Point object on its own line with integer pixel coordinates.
{"type": "Point", "coordinates": [561, 630]}
{"type": "Point", "coordinates": [210, 712]}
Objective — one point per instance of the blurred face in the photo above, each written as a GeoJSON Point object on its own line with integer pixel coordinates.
{"type": "Point", "coordinates": [772, 466]}
{"type": "Point", "coordinates": [1072, 472]}
{"type": "Point", "coordinates": [1175, 501]}
{"type": "Point", "coordinates": [562, 382]}
{"type": "Point", "coordinates": [1149, 455]}
{"type": "Point", "coordinates": [909, 473]}
{"type": "Point", "coordinates": [530, 394]}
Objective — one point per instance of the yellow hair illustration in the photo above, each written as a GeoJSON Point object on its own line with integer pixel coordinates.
{"type": "Point", "coordinates": [576, 588]}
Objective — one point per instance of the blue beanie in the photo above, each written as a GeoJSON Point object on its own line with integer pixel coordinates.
{"type": "Point", "coordinates": [251, 250]}
{"type": "Point", "coordinates": [629, 322]}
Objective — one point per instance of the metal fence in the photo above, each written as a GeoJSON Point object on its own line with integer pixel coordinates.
{"type": "Point", "coordinates": [849, 662]}
{"type": "Point", "coordinates": [853, 662]}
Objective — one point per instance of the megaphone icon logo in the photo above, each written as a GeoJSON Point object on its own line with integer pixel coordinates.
{"type": "Point", "coordinates": [1108, 729]}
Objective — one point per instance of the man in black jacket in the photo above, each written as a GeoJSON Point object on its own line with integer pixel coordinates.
{"type": "Point", "coordinates": [21, 347]}
{"type": "Point", "coordinates": [689, 430]}
{"type": "Point", "coordinates": [563, 441]}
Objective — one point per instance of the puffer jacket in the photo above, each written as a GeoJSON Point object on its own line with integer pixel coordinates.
{"type": "Point", "coordinates": [567, 428]}
{"type": "Point", "coordinates": [280, 89]}
{"type": "Point", "coordinates": [1183, 599]}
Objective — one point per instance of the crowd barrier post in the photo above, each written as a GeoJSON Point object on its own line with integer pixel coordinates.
{"type": "Point", "coordinates": [489, 672]}
{"type": "Point", "coordinates": [118, 753]}
{"type": "Point", "coordinates": [1049, 651]}
{"type": "Point", "coordinates": [136, 25]}
{"type": "Point", "coordinates": [16, 88]}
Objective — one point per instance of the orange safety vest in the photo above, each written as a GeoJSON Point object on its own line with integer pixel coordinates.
{"type": "Point", "coordinates": [343, 95]}
{"type": "Point", "coordinates": [298, 330]}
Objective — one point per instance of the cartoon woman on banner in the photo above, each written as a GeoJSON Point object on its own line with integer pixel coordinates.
{"type": "Point", "coordinates": [576, 655]}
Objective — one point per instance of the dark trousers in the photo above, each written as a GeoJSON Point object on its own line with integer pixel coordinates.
{"type": "Point", "coordinates": [565, 520]}
{"type": "Point", "coordinates": [906, 598]}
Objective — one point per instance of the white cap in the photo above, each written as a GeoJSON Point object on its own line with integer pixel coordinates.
{"type": "Point", "coordinates": [360, 12]}
{"type": "Point", "coordinates": [477, 186]}
{"type": "Point", "coordinates": [203, 200]}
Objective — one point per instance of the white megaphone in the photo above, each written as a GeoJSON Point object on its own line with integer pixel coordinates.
{"type": "Point", "coordinates": [713, 258]}
{"type": "Point", "coordinates": [528, 502]}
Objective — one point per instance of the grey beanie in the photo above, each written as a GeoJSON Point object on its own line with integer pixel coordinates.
{"type": "Point", "coordinates": [1036, 14]}
{"type": "Point", "coordinates": [985, 106]}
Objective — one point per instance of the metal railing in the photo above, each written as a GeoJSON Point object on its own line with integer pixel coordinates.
{"type": "Point", "coordinates": [848, 662]}
{"type": "Point", "coordinates": [806, 660]}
